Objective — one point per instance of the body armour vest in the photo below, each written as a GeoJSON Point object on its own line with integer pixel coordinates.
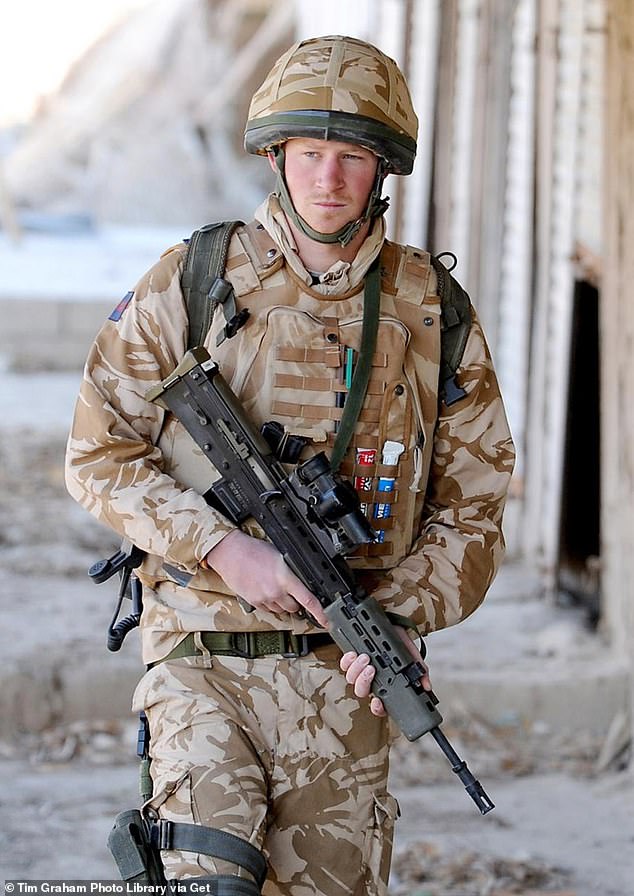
{"type": "Point", "coordinates": [292, 363]}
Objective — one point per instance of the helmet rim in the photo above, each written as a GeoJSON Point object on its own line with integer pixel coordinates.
{"type": "Point", "coordinates": [396, 148]}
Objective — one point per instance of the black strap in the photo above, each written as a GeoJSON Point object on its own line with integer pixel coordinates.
{"type": "Point", "coordinates": [215, 885]}
{"type": "Point", "coordinates": [213, 842]}
{"type": "Point", "coordinates": [203, 285]}
{"type": "Point", "coordinates": [361, 377]}
{"type": "Point", "coordinates": [456, 319]}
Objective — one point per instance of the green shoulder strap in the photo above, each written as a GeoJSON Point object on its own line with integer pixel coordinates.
{"type": "Point", "coordinates": [361, 377]}
{"type": "Point", "coordinates": [203, 284]}
{"type": "Point", "coordinates": [456, 320]}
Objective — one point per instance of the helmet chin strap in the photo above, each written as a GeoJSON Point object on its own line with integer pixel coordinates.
{"type": "Point", "coordinates": [376, 205]}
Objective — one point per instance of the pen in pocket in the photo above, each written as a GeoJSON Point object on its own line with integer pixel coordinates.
{"type": "Point", "coordinates": [348, 367]}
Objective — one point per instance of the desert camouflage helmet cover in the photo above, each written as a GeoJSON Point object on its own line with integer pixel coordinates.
{"type": "Point", "coordinates": [336, 88]}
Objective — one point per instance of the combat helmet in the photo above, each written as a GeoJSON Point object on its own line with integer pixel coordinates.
{"type": "Point", "coordinates": [335, 88]}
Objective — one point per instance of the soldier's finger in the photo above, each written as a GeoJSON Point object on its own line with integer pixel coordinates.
{"type": "Point", "coordinates": [347, 660]}
{"type": "Point", "coordinates": [310, 603]}
{"type": "Point", "coordinates": [363, 683]}
{"type": "Point", "coordinates": [360, 674]}
{"type": "Point", "coordinates": [356, 666]}
{"type": "Point", "coordinates": [287, 603]}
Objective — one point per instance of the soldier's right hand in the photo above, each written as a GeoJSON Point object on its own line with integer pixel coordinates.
{"type": "Point", "coordinates": [255, 571]}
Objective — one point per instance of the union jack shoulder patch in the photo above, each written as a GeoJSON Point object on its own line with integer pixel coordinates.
{"type": "Point", "coordinates": [123, 304]}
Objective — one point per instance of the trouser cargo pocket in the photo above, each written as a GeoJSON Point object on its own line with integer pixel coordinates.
{"type": "Point", "coordinates": [378, 845]}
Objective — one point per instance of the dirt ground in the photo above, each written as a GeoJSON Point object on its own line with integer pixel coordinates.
{"type": "Point", "coordinates": [564, 818]}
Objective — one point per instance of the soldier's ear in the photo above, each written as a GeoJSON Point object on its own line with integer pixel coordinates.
{"type": "Point", "coordinates": [271, 157]}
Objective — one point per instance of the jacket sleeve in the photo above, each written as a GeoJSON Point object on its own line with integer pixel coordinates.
{"type": "Point", "coordinates": [113, 467]}
{"type": "Point", "coordinates": [460, 543]}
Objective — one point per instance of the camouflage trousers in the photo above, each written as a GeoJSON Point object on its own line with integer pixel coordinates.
{"type": "Point", "coordinates": [280, 753]}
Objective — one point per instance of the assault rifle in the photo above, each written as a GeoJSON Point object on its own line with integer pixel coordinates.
{"type": "Point", "coordinates": [313, 518]}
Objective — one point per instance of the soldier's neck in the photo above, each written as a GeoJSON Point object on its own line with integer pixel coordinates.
{"type": "Point", "coordinates": [321, 256]}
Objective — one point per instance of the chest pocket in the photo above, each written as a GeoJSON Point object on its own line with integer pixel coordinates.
{"type": "Point", "coordinates": [300, 375]}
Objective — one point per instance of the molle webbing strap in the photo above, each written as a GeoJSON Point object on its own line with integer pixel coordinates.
{"type": "Point", "coordinates": [211, 842]}
{"type": "Point", "coordinates": [319, 412]}
{"type": "Point", "coordinates": [203, 285]}
{"type": "Point", "coordinates": [317, 355]}
{"type": "Point", "coordinates": [361, 377]}
{"type": "Point", "coordinates": [322, 383]}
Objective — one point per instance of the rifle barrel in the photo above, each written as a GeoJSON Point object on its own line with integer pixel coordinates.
{"type": "Point", "coordinates": [459, 766]}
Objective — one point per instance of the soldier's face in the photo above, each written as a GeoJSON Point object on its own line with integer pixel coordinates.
{"type": "Point", "coordinates": [329, 181]}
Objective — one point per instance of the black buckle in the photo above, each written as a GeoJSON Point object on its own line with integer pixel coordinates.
{"type": "Point", "coordinates": [243, 644]}
{"type": "Point", "coordinates": [298, 645]}
{"type": "Point", "coordinates": [162, 834]}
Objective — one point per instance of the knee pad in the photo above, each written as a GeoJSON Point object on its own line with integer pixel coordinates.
{"type": "Point", "coordinates": [219, 845]}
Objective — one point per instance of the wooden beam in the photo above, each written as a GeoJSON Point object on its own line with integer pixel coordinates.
{"type": "Point", "coordinates": [616, 310]}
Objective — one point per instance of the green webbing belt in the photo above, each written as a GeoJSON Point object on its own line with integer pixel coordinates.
{"type": "Point", "coordinates": [359, 385]}
{"type": "Point", "coordinates": [250, 644]}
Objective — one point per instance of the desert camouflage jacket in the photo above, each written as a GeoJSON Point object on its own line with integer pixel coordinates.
{"type": "Point", "coordinates": [436, 499]}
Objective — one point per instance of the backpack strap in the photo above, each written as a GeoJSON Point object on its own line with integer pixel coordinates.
{"type": "Point", "coordinates": [456, 320]}
{"type": "Point", "coordinates": [203, 285]}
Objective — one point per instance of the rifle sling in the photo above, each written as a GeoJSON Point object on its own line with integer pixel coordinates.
{"type": "Point", "coordinates": [361, 377]}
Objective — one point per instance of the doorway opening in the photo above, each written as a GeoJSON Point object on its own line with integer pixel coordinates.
{"type": "Point", "coordinates": [579, 534]}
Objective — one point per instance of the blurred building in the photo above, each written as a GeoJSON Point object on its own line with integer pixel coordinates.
{"type": "Point", "coordinates": [146, 128]}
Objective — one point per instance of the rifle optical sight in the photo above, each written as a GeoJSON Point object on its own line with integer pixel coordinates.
{"type": "Point", "coordinates": [335, 502]}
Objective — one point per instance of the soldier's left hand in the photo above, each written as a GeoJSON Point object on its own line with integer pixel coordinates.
{"type": "Point", "coordinates": [360, 673]}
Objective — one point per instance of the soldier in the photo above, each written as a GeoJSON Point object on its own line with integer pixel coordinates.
{"type": "Point", "coordinates": [264, 738]}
